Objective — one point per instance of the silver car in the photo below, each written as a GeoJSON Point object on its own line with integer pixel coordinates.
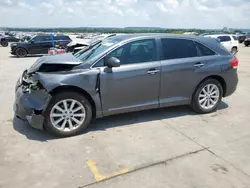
{"type": "Point", "coordinates": [124, 73]}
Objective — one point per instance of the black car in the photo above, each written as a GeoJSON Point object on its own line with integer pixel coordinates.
{"type": "Point", "coordinates": [247, 41]}
{"type": "Point", "coordinates": [5, 39]}
{"type": "Point", "coordinates": [243, 37]}
{"type": "Point", "coordinates": [39, 44]}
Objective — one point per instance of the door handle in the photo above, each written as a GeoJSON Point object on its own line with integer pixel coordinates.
{"type": "Point", "coordinates": [153, 71]}
{"type": "Point", "coordinates": [199, 65]}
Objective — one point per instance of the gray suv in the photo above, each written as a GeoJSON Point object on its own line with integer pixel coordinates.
{"type": "Point", "coordinates": [124, 73]}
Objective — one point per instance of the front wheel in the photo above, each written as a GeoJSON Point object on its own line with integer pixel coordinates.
{"type": "Point", "coordinates": [20, 52]}
{"type": "Point", "coordinates": [207, 96]}
{"type": "Point", "coordinates": [68, 114]}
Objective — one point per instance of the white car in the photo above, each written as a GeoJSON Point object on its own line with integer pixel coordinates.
{"type": "Point", "coordinates": [230, 42]}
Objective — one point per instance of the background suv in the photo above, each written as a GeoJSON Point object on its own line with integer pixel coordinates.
{"type": "Point", "coordinates": [124, 73]}
{"type": "Point", "coordinates": [230, 42]}
{"type": "Point", "coordinates": [39, 44]}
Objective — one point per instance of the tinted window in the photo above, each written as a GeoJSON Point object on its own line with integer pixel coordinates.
{"type": "Point", "coordinates": [178, 48]}
{"type": "Point", "coordinates": [136, 52]}
{"type": "Point", "coordinates": [224, 38]}
{"type": "Point", "coordinates": [61, 38]}
{"type": "Point", "coordinates": [141, 51]}
{"type": "Point", "coordinates": [41, 38]}
{"type": "Point", "coordinates": [204, 51]}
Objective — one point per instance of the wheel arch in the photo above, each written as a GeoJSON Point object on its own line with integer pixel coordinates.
{"type": "Point", "coordinates": [21, 48]}
{"type": "Point", "coordinates": [77, 90]}
{"type": "Point", "coordinates": [219, 79]}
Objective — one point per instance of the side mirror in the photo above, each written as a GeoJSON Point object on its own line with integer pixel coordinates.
{"type": "Point", "coordinates": [113, 62]}
{"type": "Point", "coordinates": [32, 41]}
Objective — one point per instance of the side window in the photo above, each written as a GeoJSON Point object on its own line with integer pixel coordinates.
{"type": "Point", "coordinates": [140, 51]}
{"type": "Point", "coordinates": [100, 63]}
{"type": "Point", "coordinates": [38, 39]}
{"type": "Point", "coordinates": [62, 37]}
{"type": "Point", "coordinates": [224, 38]}
{"type": "Point", "coordinates": [204, 51]}
{"type": "Point", "coordinates": [117, 53]}
{"type": "Point", "coordinates": [178, 48]}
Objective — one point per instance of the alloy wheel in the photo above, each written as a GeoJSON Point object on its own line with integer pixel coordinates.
{"type": "Point", "coordinates": [67, 115]}
{"type": "Point", "coordinates": [209, 96]}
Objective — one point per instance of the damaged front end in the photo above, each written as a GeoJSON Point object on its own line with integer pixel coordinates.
{"type": "Point", "coordinates": [31, 100]}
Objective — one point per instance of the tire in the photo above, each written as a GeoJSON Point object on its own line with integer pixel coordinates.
{"type": "Point", "coordinates": [196, 106]}
{"type": "Point", "coordinates": [67, 132]}
{"type": "Point", "coordinates": [246, 45]}
{"type": "Point", "coordinates": [4, 43]}
{"type": "Point", "coordinates": [21, 52]}
{"type": "Point", "coordinates": [234, 50]}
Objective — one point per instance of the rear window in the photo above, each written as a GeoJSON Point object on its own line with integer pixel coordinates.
{"type": "Point", "coordinates": [204, 51]}
{"type": "Point", "coordinates": [235, 38]}
{"type": "Point", "coordinates": [178, 48]}
{"type": "Point", "coordinates": [224, 38]}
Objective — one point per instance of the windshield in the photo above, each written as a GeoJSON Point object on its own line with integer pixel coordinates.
{"type": "Point", "coordinates": [97, 49]}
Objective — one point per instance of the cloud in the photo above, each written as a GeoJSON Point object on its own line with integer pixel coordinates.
{"type": "Point", "coordinates": [122, 13]}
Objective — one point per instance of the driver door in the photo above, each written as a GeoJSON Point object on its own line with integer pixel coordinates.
{"type": "Point", "coordinates": [135, 84]}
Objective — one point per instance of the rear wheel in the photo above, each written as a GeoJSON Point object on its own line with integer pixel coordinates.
{"type": "Point", "coordinates": [4, 43]}
{"type": "Point", "coordinates": [68, 114]}
{"type": "Point", "coordinates": [21, 52]}
{"type": "Point", "coordinates": [207, 96]}
{"type": "Point", "coordinates": [246, 44]}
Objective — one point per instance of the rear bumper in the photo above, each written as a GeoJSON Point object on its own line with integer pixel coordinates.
{"type": "Point", "coordinates": [30, 106]}
{"type": "Point", "coordinates": [231, 83]}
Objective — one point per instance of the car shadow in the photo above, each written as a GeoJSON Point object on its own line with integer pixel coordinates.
{"type": "Point", "coordinates": [24, 128]}
{"type": "Point", "coordinates": [112, 121]}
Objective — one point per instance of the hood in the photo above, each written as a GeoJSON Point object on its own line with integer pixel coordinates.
{"type": "Point", "coordinates": [54, 63]}
{"type": "Point", "coordinates": [18, 43]}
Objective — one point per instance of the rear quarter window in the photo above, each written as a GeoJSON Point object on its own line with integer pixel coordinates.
{"type": "Point", "coordinates": [204, 51]}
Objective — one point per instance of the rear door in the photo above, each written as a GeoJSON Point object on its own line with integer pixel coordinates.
{"type": "Point", "coordinates": [183, 67]}
{"type": "Point", "coordinates": [40, 45]}
{"type": "Point", "coordinates": [226, 41]}
{"type": "Point", "coordinates": [135, 84]}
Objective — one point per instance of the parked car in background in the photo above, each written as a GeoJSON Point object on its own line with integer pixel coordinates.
{"type": "Point", "coordinates": [79, 44]}
{"type": "Point", "coordinates": [124, 73]}
{"type": "Point", "coordinates": [242, 37]}
{"type": "Point", "coordinates": [5, 39]}
{"type": "Point", "coordinates": [230, 42]}
{"type": "Point", "coordinates": [39, 44]}
{"type": "Point", "coordinates": [247, 41]}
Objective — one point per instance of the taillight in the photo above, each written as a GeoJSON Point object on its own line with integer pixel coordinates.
{"type": "Point", "coordinates": [235, 62]}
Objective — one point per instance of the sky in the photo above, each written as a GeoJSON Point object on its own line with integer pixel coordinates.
{"type": "Point", "coordinates": [209, 14]}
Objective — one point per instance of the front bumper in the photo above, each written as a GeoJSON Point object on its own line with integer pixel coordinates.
{"type": "Point", "coordinates": [31, 105]}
